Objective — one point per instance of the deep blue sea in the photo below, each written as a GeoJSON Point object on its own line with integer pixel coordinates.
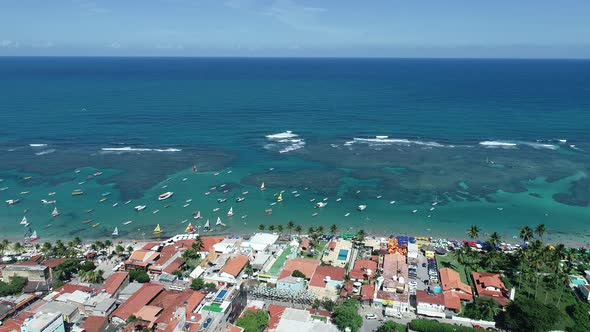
{"type": "Point", "coordinates": [497, 143]}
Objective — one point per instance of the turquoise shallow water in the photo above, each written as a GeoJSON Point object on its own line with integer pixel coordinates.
{"type": "Point", "coordinates": [497, 143]}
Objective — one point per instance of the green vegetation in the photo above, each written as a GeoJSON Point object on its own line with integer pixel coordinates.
{"type": "Point", "coordinates": [298, 274]}
{"type": "Point", "coordinates": [197, 284]}
{"type": "Point", "coordinates": [483, 308]}
{"type": "Point", "coordinates": [88, 266]}
{"type": "Point", "coordinates": [579, 314]}
{"type": "Point", "coordinates": [346, 315]}
{"type": "Point", "coordinates": [253, 321]}
{"type": "Point", "coordinates": [92, 276]}
{"type": "Point", "coordinates": [328, 304]}
{"type": "Point", "coordinates": [280, 261]}
{"type": "Point", "coordinates": [139, 276]}
{"type": "Point", "coordinates": [426, 325]}
{"type": "Point", "coordinates": [318, 317]}
{"type": "Point", "coordinates": [15, 286]}
{"type": "Point", "coordinates": [530, 315]}
{"type": "Point", "coordinates": [450, 261]}
{"type": "Point", "coordinates": [65, 270]}
{"type": "Point", "coordinates": [391, 326]}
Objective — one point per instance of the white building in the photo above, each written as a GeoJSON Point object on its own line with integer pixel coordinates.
{"type": "Point", "coordinates": [260, 242]}
{"type": "Point", "coordinates": [44, 322]}
{"type": "Point", "coordinates": [585, 290]}
{"type": "Point", "coordinates": [296, 320]}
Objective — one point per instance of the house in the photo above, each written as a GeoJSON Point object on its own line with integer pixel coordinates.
{"type": "Point", "coordinates": [234, 267]}
{"type": "Point", "coordinates": [261, 260]}
{"type": "Point", "coordinates": [115, 283]}
{"type": "Point", "coordinates": [326, 282]}
{"type": "Point", "coordinates": [395, 273]}
{"type": "Point", "coordinates": [69, 311]}
{"type": "Point", "coordinates": [367, 294]}
{"type": "Point", "coordinates": [306, 266]}
{"type": "Point", "coordinates": [430, 304]}
{"type": "Point", "coordinates": [585, 291]}
{"type": "Point", "coordinates": [44, 322]}
{"type": "Point", "coordinates": [260, 242]}
{"type": "Point", "coordinates": [290, 283]}
{"type": "Point", "coordinates": [94, 324]}
{"type": "Point", "coordinates": [454, 290]}
{"type": "Point", "coordinates": [363, 270]}
{"type": "Point", "coordinates": [52, 264]}
{"type": "Point", "coordinates": [34, 273]}
{"type": "Point", "coordinates": [227, 246]}
{"type": "Point", "coordinates": [338, 253]}
{"type": "Point", "coordinates": [144, 295]}
{"type": "Point", "coordinates": [305, 244]}
{"type": "Point", "coordinates": [491, 285]}
{"type": "Point", "coordinates": [285, 319]}
{"type": "Point", "coordinates": [141, 259]}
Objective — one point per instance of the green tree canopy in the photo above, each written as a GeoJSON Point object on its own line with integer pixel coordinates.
{"type": "Point", "coordinates": [346, 315]}
{"type": "Point", "coordinates": [391, 326]}
{"type": "Point", "coordinates": [197, 284]}
{"type": "Point", "coordinates": [139, 276]}
{"type": "Point", "coordinates": [530, 315]}
{"type": "Point", "coordinates": [298, 274]}
{"type": "Point", "coordinates": [253, 321]}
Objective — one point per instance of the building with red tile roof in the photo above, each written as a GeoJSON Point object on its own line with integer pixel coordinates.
{"type": "Point", "coordinates": [69, 289]}
{"type": "Point", "coordinates": [305, 243]}
{"type": "Point", "coordinates": [151, 246]}
{"type": "Point", "coordinates": [306, 266]}
{"type": "Point", "coordinates": [193, 302]}
{"type": "Point", "coordinates": [209, 241]}
{"type": "Point", "coordinates": [94, 324]}
{"type": "Point", "coordinates": [491, 285]}
{"type": "Point", "coordinates": [141, 259]}
{"type": "Point", "coordinates": [53, 262]}
{"type": "Point", "coordinates": [275, 312]}
{"type": "Point", "coordinates": [361, 270]}
{"type": "Point", "coordinates": [430, 304]}
{"type": "Point", "coordinates": [451, 281]}
{"type": "Point", "coordinates": [142, 297]}
{"type": "Point", "coordinates": [234, 265]}
{"type": "Point", "coordinates": [169, 301]}
{"type": "Point", "coordinates": [367, 293]}
{"type": "Point", "coordinates": [327, 281]}
{"type": "Point", "coordinates": [395, 272]}
{"type": "Point", "coordinates": [115, 283]}
{"type": "Point", "coordinates": [174, 265]}
{"type": "Point", "coordinates": [234, 328]}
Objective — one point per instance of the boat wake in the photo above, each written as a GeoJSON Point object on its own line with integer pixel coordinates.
{"type": "Point", "coordinates": [45, 152]}
{"type": "Point", "coordinates": [515, 144]}
{"type": "Point", "coordinates": [37, 145]}
{"type": "Point", "coordinates": [130, 149]}
{"type": "Point", "coordinates": [285, 142]}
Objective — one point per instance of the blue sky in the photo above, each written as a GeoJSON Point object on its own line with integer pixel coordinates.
{"type": "Point", "coordinates": [412, 28]}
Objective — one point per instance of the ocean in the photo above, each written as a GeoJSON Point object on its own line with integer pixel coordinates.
{"type": "Point", "coordinates": [430, 146]}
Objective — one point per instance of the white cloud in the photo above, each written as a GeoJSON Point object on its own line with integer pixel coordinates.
{"type": "Point", "coordinates": [114, 45]}
{"type": "Point", "coordinates": [7, 43]}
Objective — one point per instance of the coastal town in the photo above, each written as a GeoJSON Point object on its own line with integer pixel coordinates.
{"type": "Point", "coordinates": [289, 281]}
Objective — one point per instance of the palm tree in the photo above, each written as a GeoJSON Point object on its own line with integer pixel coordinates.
{"type": "Point", "coordinates": [18, 248]}
{"type": "Point", "coordinates": [46, 248]}
{"type": "Point", "coordinates": [119, 249]}
{"type": "Point", "coordinates": [2, 249]}
{"type": "Point", "coordinates": [93, 276]}
{"type": "Point", "coordinates": [198, 244]}
{"type": "Point", "coordinates": [310, 230]}
{"type": "Point", "coordinates": [360, 236]}
{"type": "Point", "coordinates": [129, 249]}
{"type": "Point", "coordinates": [261, 227]}
{"type": "Point", "coordinates": [298, 229]}
{"type": "Point", "coordinates": [473, 232]}
{"type": "Point", "coordinates": [526, 233]}
{"type": "Point", "coordinates": [333, 229]}
{"type": "Point", "coordinates": [100, 244]}
{"type": "Point", "coordinates": [108, 244]}
{"type": "Point", "coordinates": [290, 226]}
{"type": "Point", "coordinates": [77, 241]}
{"type": "Point", "coordinates": [280, 229]}
{"type": "Point", "coordinates": [271, 228]}
{"type": "Point", "coordinates": [540, 230]}
{"type": "Point", "coordinates": [495, 239]}
{"type": "Point", "coordinates": [320, 230]}
{"type": "Point", "coordinates": [6, 243]}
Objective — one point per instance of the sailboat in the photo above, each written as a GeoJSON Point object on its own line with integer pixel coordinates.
{"type": "Point", "coordinates": [190, 228]}
{"type": "Point", "coordinates": [207, 226]}
{"type": "Point", "coordinates": [157, 230]}
{"type": "Point", "coordinates": [198, 215]}
{"type": "Point", "coordinates": [219, 223]}
{"type": "Point", "coordinates": [115, 232]}
{"type": "Point", "coordinates": [280, 198]}
{"type": "Point", "coordinates": [24, 221]}
{"type": "Point", "coordinates": [230, 213]}
{"type": "Point", "coordinates": [55, 213]}
{"type": "Point", "coordinates": [262, 186]}
{"type": "Point", "coordinates": [34, 236]}
{"type": "Point", "coordinates": [28, 233]}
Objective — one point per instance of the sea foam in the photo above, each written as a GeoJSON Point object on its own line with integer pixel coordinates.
{"type": "Point", "coordinates": [45, 152]}
{"type": "Point", "coordinates": [130, 149]}
{"type": "Point", "coordinates": [385, 140]}
{"type": "Point", "coordinates": [37, 145]}
{"type": "Point", "coordinates": [285, 142]}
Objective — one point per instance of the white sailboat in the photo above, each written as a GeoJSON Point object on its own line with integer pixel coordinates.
{"type": "Point", "coordinates": [230, 213]}
{"type": "Point", "coordinates": [198, 215]}
{"type": "Point", "coordinates": [34, 236]}
{"type": "Point", "coordinates": [219, 223]}
{"type": "Point", "coordinates": [55, 213]}
{"type": "Point", "coordinates": [24, 221]}
{"type": "Point", "coordinates": [207, 226]}
{"type": "Point", "coordinates": [116, 232]}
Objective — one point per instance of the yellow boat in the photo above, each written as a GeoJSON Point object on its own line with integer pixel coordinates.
{"type": "Point", "coordinates": [157, 230]}
{"type": "Point", "coordinates": [76, 193]}
{"type": "Point", "coordinates": [280, 198]}
{"type": "Point", "coordinates": [95, 225]}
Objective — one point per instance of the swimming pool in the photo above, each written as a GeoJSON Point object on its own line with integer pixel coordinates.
{"type": "Point", "coordinates": [342, 254]}
{"type": "Point", "coordinates": [576, 280]}
{"type": "Point", "coordinates": [220, 296]}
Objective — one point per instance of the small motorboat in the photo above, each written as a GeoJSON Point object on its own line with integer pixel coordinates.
{"type": "Point", "coordinates": [98, 174]}
{"type": "Point", "coordinates": [431, 209]}
{"type": "Point", "coordinates": [87, 221]}
{"type": "Point", "coordinates": [414, 211]}
{"type": "Point", "coordinates": [77, 193]}
{"type": "Point", "coordinates": [362, 207]}
{"type": "Point", "coordinates": [184, 179]}
{"type": "Point", "coordinates": [81, 183]}
{"type": "Point", "coordinates": [51, 193]}
{"type": "Point", "coordinates": [222, 185]}
{"type": "Point", "coordinates": [212, 188]}
{"type": "Point", "coordinates": [338, 199]}
{"type": "Point", "coordinates": [44, 201]}
{"type": "Point", "coordinates": [129, 201]}
{"type": "Point", "coordinates": [186, 205]}
{"type": "Point", "coordinates": [221, 200]}
{"type": "Point", "coordinates": [273, 203]}
{"type": "Point", "coordinates": [435, 203]}
{"type": "Point", "coordinates": [127, 222]}
{"type": "Point", "coordinates": [96, 225]}
{"type": "Point", "coordinates": [104, 199]}
{"type": "Point", "coordinates": [500, 209]}
{"type": "Point", "coordinates": [215, 209]}
{"type": "Point", "coordinates": [240, 199]}
{"type": "Point", "coordinates": [188, 200]}
{"type": "Point", "coordinates": [106, 194]}
{"type": "Point", "coordinates": [156, 211]}
{"type": "Point", "coordinates": [89, 210]}
{"type": "Point", "coordinates": [379, 197]}
{"type": "Point", "coordinates": [312, 200]}
{"type": "Point", "coordinates": [165, 195]}
{"type": "Point", "coordinates": [216, 174]}
{"type": "Point", "coordinates": [47, 226]}
{"type": "Point", "coordinates": [325, 199]}
{"type": "Point", "coordinates": [297, 195]}
{"type": "Point", "coordinates": [167, 206]}
{"type": "Point", "coordinates": [3, 188]}
{"type": "Point", "coordinates": [245, 193]}
{"type": "Point", "coordinates": [207, 193]}
{"type": "Point", "coordinates": [89, 177]}
{"type": "Point", "coordinates": [77, 171]}
{"type": "Point", "coordinates": [229, 172]}
{"type": "Point", "coordinates": [320, 205]}
{"type": "Point", "coordinates": [24, 192]}
{"type": "Point", "coordinates": [184, 221]}
{"type": "Point", "coordinates": [347, 214]}
{"type": "Point", "coordinates": [314, 214]}
{"type": "Point", "coordinates": [115, 205]}
{"type": "Point", "coordinates": [226, 191]}
{"type": "Point", "coordinates": [244, 216]}
{"type": "Point", "coordinates": [27, 178]}
{"type": "Point", "coordinates": [12, 201]}
{"type": "Point", "coordinates": [139, 208]}
{"type": "Point", "coordinates": [294, 192]}
{"type": "Point", "coordinates": [392, 202]}
{"type": "Point", "coordinates": [268, 212]}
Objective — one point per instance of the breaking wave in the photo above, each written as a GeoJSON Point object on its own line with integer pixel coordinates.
{"type": "Point", "coordinates": [385, 140]}
{"type": "Point", "coordinates": [37, 145]}
{"type": "Point", "coordinates": [45, 152]}
{"type": "Point", "coordinates": [284, 142]}
{"type": "Point", "coordinates": [515, 144]}
{"type": "Point", "coordinates": [130, 149]}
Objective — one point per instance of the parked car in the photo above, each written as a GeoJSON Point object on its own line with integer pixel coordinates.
{"type": "Point", "coordinates": [371, 316]}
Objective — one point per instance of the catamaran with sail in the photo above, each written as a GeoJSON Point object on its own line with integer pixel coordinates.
{"type": "Point", "coordinates": [190, 228]}
{"type": "Point", "coordinates": [158, 230]}
{"type": "Point", "coordinates": [219, 223]}
{"type": "Point", "coordinates": [280, 198]}
{"type": "Point", "coordinates": [24, 222]}
{"type": "Point", "coordinates": [262, 187]}
{"type": "Point", "coordinates": [207, 226]}
{"type": "Point", "coordinates": [55, 213]}
{"type": "Point", "coordinates": [230, 213]}
{"type": "Point", "coordinates": [115, 232]}
{"type": "Point", "coordinates": [197, 215]}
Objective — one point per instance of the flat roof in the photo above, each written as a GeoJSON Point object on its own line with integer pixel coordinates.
{"type": "Point", "coordinates": [25, 268]}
